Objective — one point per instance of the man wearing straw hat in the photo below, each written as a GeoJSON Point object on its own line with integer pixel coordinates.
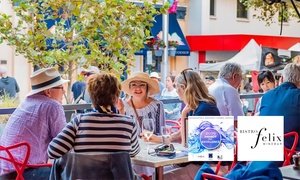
{"type": "Point", "coordinates": [37, 120]}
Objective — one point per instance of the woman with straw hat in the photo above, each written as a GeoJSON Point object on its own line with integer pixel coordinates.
{"type": "Point", "coordinates": [141, 106]}
{"type": "Point", "coordinates": [140, 87]}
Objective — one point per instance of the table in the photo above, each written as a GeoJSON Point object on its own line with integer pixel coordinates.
{"type": "Point", "coordinates": [288, 172]}
{"type": "Point", "coordinates": [157, 162]}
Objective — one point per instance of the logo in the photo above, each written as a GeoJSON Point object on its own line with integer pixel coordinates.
{"type": "Point", "coordinates": [220, 157]}
{"type": "Point", "coordinates": [210, 155]}
{"type": "Point", "coordinates": [260, 138]}
{"type": "Point", "coordinates": [267, 138]}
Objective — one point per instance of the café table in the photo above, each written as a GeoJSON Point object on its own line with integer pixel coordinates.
{"type": "Point", "coordinates": [144, 159]}
{"type": "Point", "coordinates": [288, 172]}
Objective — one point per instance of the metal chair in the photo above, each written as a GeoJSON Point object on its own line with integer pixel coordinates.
{"type": "Point", "coordinates": [19, 166]}
{"type": "Point", "coordinates": [206, 176]}
{"type": "Point", "coordinates": [70, 166]}
{"type": "Point", "coordinates": [174, 125]}
{"type": "Point", "coordinates": [289, 152]}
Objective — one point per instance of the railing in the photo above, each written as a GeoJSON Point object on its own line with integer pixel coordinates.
{"type": "Point", "coordinates": [70, 108]}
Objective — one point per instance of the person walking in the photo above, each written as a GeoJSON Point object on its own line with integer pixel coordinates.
{"type": "Point", "coordinates": [8, 85]}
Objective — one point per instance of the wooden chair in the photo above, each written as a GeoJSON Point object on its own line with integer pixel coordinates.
{"type": "Point", "coordinates": [20, 166]}
{"type": "Point", "coordinates": [289, 152]}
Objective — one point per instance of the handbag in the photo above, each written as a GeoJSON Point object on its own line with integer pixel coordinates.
{"type": "Point", "coordinates": [138, 117]}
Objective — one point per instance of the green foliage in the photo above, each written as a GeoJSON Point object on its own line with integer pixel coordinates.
{"type": "Point", "coordinates": [6, 101]}
{"type": "Point", "coordinates": [106, 33]}
{"type": "Point", "coordinates": [269, 13]}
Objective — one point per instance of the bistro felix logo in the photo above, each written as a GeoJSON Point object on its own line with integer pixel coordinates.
{"type": "Point", "coordinates": [260, 138]}
{"type": "Point", "coordinates": [266, 138]}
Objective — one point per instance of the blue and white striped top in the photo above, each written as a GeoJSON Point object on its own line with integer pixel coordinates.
{"type": "Point", "coordinates": [96, 132]}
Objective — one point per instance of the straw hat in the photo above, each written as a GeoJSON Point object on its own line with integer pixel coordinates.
{"type": "Point", "coordinates": [140, 76]}
{"type": "Point", "coordinates": [45, 78]}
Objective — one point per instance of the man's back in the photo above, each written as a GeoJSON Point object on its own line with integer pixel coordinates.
{"type": "Point", "coordinates": [283, 101]}
{"type": "Point", "coordinates": [36, 121]}
{"type": "Point", "coordinates": [228, 100]}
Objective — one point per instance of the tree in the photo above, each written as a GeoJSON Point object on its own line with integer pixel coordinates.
{"type": "Point", "coordinates": [105, 33]}
{"type": "Point", "coordinates": [268, 9]}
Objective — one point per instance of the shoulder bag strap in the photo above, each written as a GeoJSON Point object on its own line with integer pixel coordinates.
{"type": "Point", "coordinates": [138, 117]}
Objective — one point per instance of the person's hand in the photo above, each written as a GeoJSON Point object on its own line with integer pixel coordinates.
{"type": "Point", "coordinates": [154, 138]}
{"type": "Point", "coordinates": [120, 106]}
{"type": "Point", "coordinates": [168, 112]}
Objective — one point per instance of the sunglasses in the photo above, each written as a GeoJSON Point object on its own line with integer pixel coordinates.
{"type": "Point", "coordinates": [184, 71]}
{"type": "Point", "coordinates": [59, 87]}
{"type": "Point", "coordinates": [135, 85]}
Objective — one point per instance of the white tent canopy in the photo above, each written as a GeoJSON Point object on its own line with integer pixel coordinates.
{"type": "Point", "coordinates": [295, 47]}
{"type": "Point", "coordinates": [249, 58]}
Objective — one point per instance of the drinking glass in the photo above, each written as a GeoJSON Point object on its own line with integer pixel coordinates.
{"type": "Point", "coordinates": [147, 129]}
{"type": "Point", "coordinates": [166, 136]}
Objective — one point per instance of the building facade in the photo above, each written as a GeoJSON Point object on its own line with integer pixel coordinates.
{"type": "Point", "coordinates": [201, 21]}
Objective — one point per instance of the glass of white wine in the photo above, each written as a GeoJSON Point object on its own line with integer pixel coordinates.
{"type": "Point", "coordinates": [147, 129]}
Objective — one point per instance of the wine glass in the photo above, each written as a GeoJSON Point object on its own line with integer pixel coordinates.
{"type": "Point", "coordinates": [147, 129]}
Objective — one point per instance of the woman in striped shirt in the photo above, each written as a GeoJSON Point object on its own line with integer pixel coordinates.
{"type": "Point", "coordinates": [100, 131]}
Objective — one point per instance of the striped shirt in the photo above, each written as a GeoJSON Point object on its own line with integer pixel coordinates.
{"type": "Point", "coordinates": [96, 132]}
{"type": "Point", "coordinates": [153, 110]}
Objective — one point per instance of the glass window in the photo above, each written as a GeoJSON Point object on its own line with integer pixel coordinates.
{"type": "Point", "coordinates": [241, 9]}
{"type": "Point", "coordinates": [212, 8]}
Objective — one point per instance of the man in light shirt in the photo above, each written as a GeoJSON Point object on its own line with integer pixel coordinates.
{"type": "Point", "coordinates": [225, 90]}
{"type": "Point", "coordinates": [37, 120]}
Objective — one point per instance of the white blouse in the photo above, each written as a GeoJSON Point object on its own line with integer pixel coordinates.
{"type": "Point", "coordinates": [154, 110]}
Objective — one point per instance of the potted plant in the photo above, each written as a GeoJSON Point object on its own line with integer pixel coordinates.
{"type": "Point", "coordinates": [158, 46]}
{"type": "Point", "coordinates": [172, 45]}
{"type": "Point", "coordinates": [6, 102]}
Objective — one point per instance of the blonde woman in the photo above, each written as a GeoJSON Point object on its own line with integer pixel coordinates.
{"type": "Point", "coordinates": [194, 93]}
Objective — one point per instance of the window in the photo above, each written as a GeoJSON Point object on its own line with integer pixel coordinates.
{"type": "Point", "coordinates": [241, 9]}
{"type": "Point", "coordinates": [212, 8]}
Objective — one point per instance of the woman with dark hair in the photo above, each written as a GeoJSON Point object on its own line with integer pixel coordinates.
{"type": "Point", "coordinates": [266, 82]}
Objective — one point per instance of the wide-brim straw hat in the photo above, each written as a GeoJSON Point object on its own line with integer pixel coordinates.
{"type": "Point", "coordinates": [153, 87]}
{"type": "Point", "coordinates": [45, 78]}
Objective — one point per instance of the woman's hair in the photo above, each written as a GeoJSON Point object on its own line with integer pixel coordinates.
{"type": "Point", "coordinates": [265, 74]}
{"type": "Point", "coordinates": [196, 91]}
{"type": "Point", "coordinates": [172, 79]}
{"type": "Point", "coordinates": [291, 73]}
{"type": "Point", "coordinates": [104, 89]}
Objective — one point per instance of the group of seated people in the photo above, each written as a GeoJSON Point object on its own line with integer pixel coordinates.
{"type": "Point", "coordinates": [115, 124]}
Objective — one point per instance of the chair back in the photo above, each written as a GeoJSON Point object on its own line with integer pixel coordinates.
{"type": "Point", "coordinates": [8, 156]}
{"type": "Point", "coordinates": [206, 176]}
{"type": "Point", "coordinates": [92, 166]}
{"type": "Point", "coordinates": [288, 152]}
